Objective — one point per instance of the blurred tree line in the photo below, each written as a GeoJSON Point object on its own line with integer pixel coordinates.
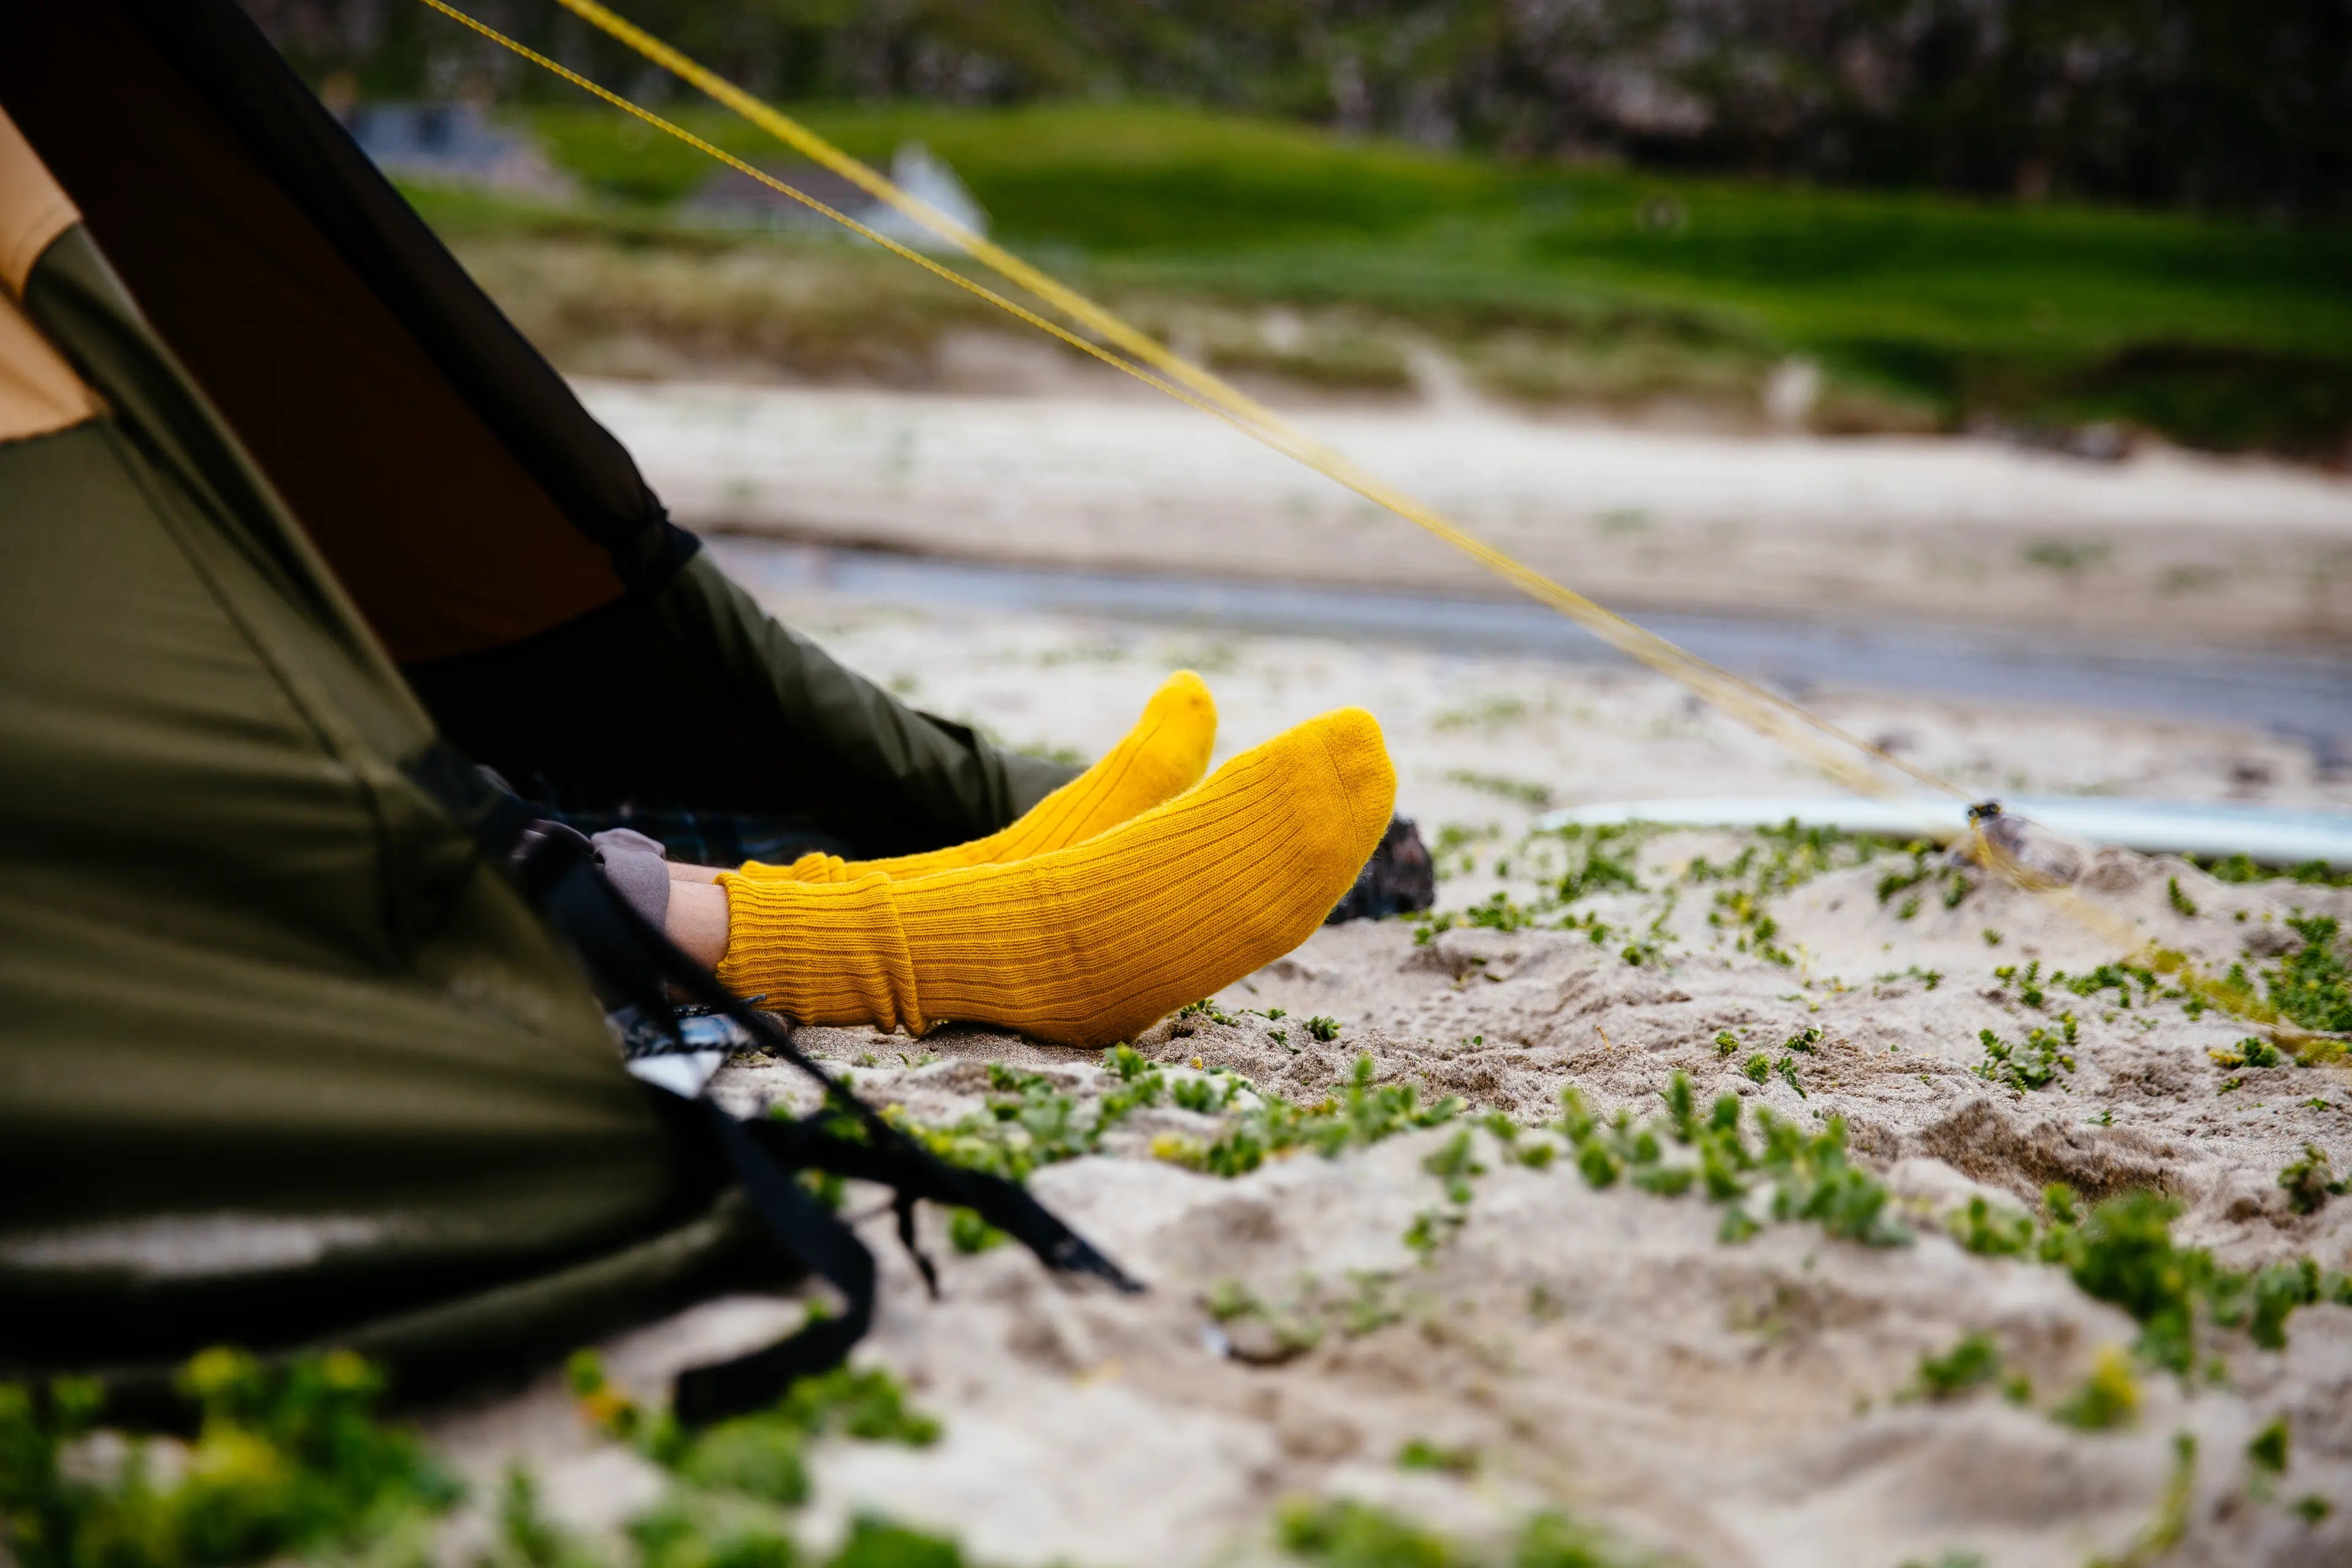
{"type": "Point", "coordinates": [2236, 104]}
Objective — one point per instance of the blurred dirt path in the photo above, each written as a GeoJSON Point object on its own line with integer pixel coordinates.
{"type": "Point", "coordinates": [2161, 545]}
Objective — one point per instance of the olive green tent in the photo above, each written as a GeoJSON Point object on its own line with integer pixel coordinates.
{"type": "Point", "coordinates": [286, 508]}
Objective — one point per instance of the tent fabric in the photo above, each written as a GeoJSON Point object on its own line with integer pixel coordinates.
{"type": "Point", "coordinates": [281, 1058]}
{"type": "Point", "coordinates": [282, 1062]}
{"type": "Point", "coordinates": [480, 517]}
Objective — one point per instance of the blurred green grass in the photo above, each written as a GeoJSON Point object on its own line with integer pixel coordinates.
{"type": "Point", "coordinates": [2227, 334]}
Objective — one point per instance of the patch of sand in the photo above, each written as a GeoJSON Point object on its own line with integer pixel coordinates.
{"type": "Point", "coordinates": [1596, 1350]}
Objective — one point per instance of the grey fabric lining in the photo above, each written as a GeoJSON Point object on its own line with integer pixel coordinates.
{"type": "Point", "coordinates": [638, 868]}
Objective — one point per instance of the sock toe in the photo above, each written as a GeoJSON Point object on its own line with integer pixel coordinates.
{"type": "Point", "coordinates": [1184, 690]}
{"type": "Point", "coordinates": [1184, 709]}
{"type": "Point", "coordinates": [1359, 757]}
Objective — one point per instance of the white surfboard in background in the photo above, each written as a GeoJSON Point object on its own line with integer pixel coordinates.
{"type": "Point", "coordinates": [2269, 835]}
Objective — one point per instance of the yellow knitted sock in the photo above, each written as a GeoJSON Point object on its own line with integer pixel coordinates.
{"type": "Point", "coordinates": [1087, 944]}
{"type": "Point", "coordinates": [1164, 755]}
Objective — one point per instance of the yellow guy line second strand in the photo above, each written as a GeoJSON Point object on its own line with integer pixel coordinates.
{"type": "Point", "coordinates": [1763, 710]}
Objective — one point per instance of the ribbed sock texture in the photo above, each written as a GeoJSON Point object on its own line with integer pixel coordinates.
{"type": "Point", "coordinates": [1164, 755]}
{"type": "Point", "coordinates": [1089, 943]}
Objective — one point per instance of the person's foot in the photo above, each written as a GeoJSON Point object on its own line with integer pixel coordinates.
{"type": "Point", "coordinates": [1087, 944]}
{"type": "Point", "coordinates": [1164, 755]}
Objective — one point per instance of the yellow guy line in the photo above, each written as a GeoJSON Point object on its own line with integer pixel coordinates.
{"type": "Point", "coordinates": [2127, 937]}
{"type": "Point", "coordinates": [1769, 712]}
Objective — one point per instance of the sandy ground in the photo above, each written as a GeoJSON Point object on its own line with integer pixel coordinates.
{"type": "Point", "coordinates": [2164, 545]}
{"type": "Point", "coordinates": [1596, 1350]}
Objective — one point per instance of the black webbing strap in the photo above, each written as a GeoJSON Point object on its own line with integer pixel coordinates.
{"type": "Point", "coordinates": [812, 1142]}
{"type": "Point", "coordinates": [638, 965]}
{"type": "Point", "coordinates": [815, 1235]}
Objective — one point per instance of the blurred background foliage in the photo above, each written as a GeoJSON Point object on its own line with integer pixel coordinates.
{"type": "Point", "coordinates": [1966, 212]}
{"type": "Point", "coordinates": [2226, 103]}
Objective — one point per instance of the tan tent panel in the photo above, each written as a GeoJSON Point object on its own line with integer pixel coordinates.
{"type": "Point", "coordinates": [38, 391]}
{"type": "Point", "coordinates": [33, 208]}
